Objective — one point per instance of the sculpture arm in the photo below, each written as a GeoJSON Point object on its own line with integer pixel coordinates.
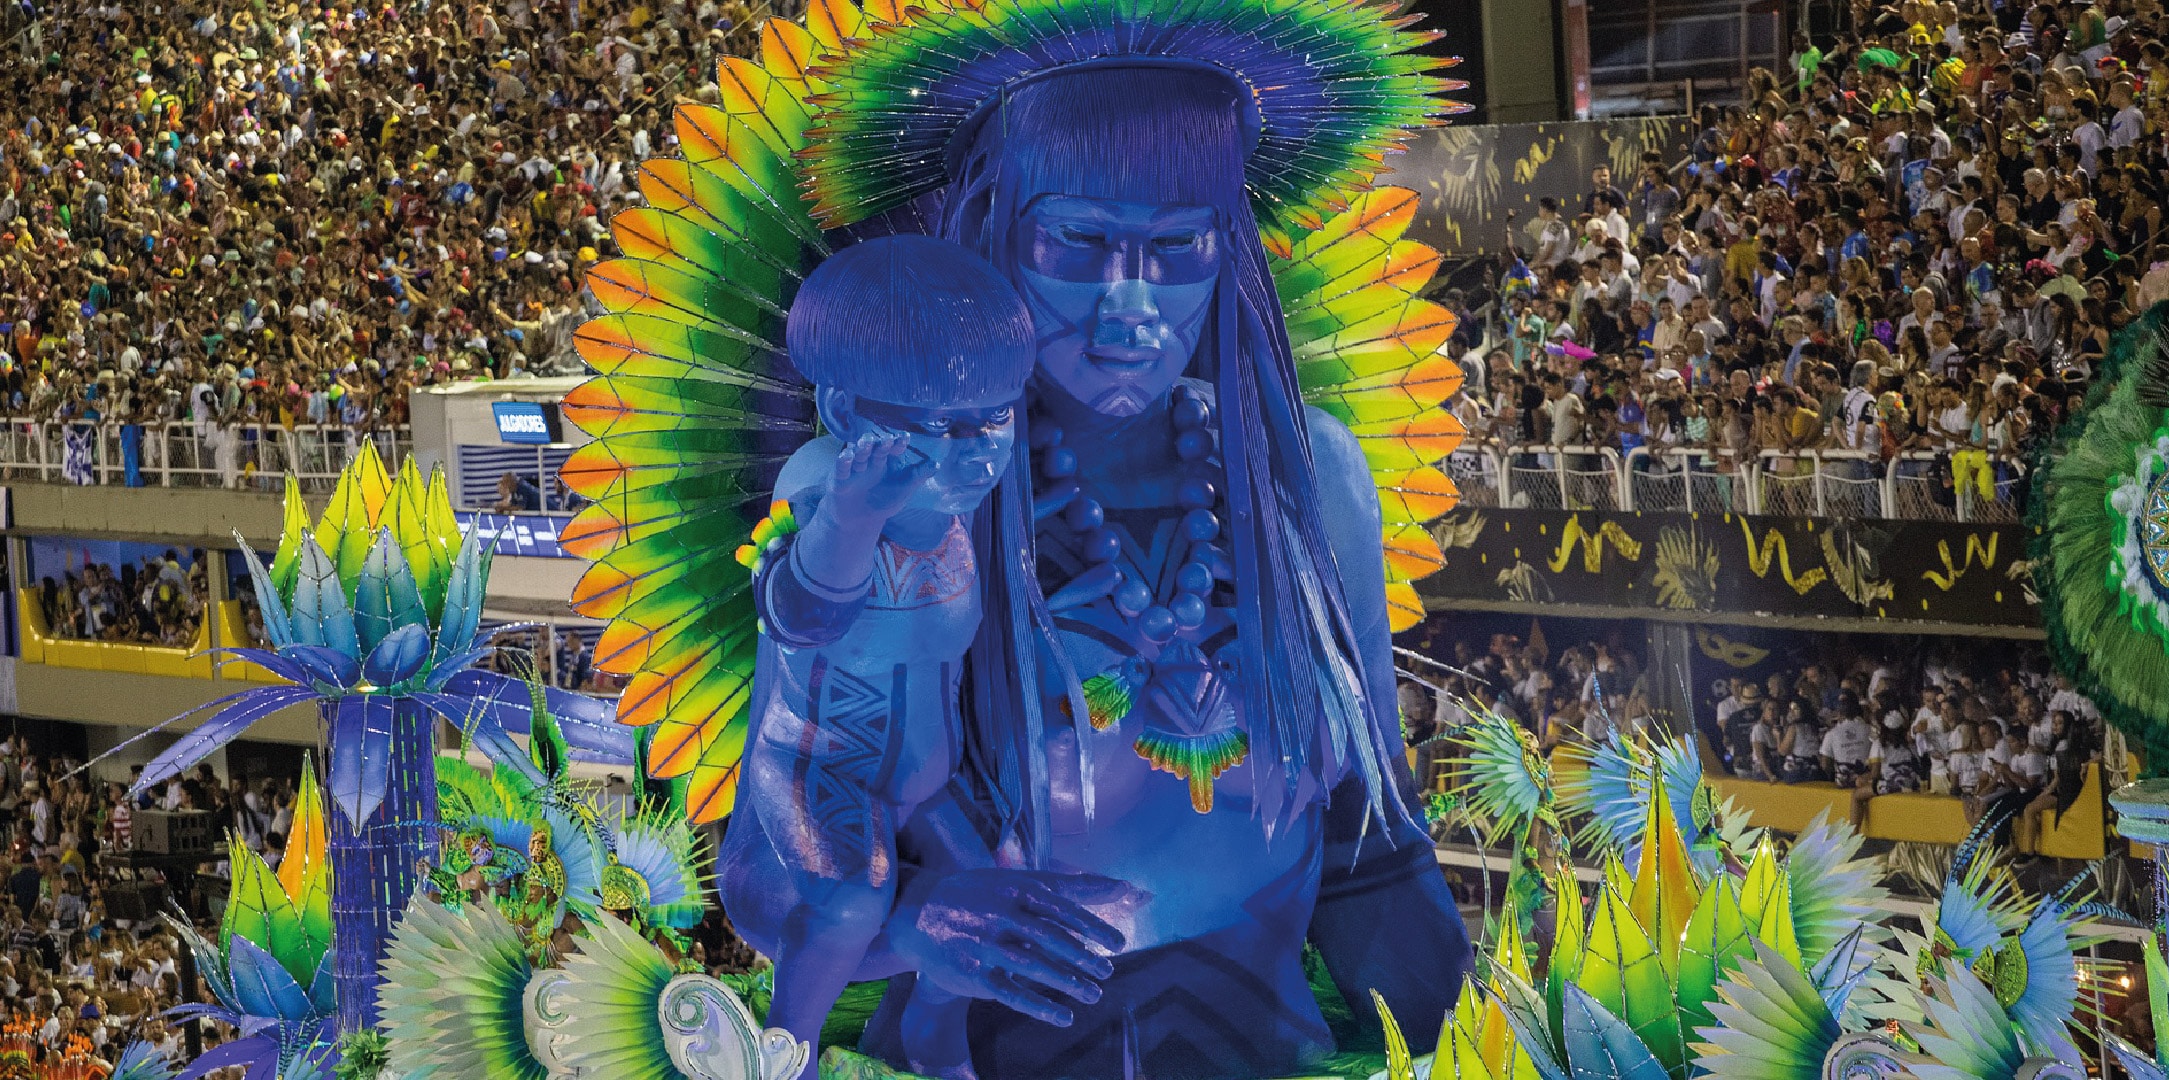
{"type": "Point", "coordinates": [810, 593]}
{"type": "Point", "coordinates": [1378, 876]}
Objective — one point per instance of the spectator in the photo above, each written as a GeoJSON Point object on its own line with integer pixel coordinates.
{"type": "Point", "coordinates": [67, 961]}
{"type": "Point", "coordinates": [516, 494]}
{"type": "Point", "coordinates": [290, 216]}
{"type": "Point", "coordinates": [1847, 745]}
{"type": "Point", "coordinates": [161, 603]}
{"type": "Point", "coordinates": [1974, 200]}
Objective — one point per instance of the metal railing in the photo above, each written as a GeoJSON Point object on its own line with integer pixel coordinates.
{"type": "Point", "coordinates": [186, 454]}
{"type": "Point", "coordinates": [1780, 483]}
{"type": "Point", "coordinates": [1674, 480]}
{"type": "Point", "coordinates": [1786, 483]}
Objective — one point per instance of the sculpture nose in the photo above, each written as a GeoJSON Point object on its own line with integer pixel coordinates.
{"type": "Point", "coordinates": [985, 446]}
{"type": "Point", "coordinates": [1129, 303]}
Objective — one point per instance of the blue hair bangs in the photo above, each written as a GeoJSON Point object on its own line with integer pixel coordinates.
{"type": "Point", "coordinates": [911, 320]}
{"type": "Point", "coordinates": [1050, 136]}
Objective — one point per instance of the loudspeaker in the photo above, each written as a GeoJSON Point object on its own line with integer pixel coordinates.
{"type": "Point", "coordinates": [136, 901]}
{"type": "Point", "coordinates": [175, 832]}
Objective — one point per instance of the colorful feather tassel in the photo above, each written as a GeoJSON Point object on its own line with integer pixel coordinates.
{"type": "Point", "coordinates": [1200, 759]}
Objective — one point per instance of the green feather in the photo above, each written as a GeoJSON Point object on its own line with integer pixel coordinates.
{"type": "Point", "coordinates": [545, 742]}
{"type": "Point", "coordinates": [1971, 1038]}
{"type": "Point", "coordinates": [1107, 700]}
{"type": "Point", "coordinates": [617, 982]}
{"type": "Point", "coordinates": [2123, 668]}
{"type": "Point", "coordinates": [1772, 1024]}
{"type": "Point", "coordinates": [453, 994]}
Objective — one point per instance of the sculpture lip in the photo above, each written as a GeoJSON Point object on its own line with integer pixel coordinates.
{"type": "Point", "coordinates": [1122, 357]}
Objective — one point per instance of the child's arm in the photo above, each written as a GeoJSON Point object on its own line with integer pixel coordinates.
{"type": "Point", "coordinates": [815, 592]}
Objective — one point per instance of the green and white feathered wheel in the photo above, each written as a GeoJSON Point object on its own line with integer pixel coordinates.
{"type": "Point", "coordinates": [2100, 508]}
{"type": "Point", "coordinates": [2139, 567]}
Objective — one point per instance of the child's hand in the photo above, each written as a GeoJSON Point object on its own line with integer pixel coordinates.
{"type": "Point", "coordinates": [876, 475]}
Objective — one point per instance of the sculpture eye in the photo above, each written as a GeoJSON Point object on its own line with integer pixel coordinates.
{"type": "Point", "coordinates": [1175, 243]}
{"type": "Point", "coordinates": [938, 425]}
{"type": "Point", "coordinates": [1080, 235]}
{"type": "Point", "coordinates": [1001, 417]}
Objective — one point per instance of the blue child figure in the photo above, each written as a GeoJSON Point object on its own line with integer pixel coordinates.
{"type": "Point", "coordinates": [918, 352]}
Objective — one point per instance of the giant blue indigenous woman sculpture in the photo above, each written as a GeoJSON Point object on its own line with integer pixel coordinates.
{"type": "Point", "coordinates": [1176, 721]}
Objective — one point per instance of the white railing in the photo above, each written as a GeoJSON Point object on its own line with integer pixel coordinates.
{"type": "Point", "coordinates": [1786, 483]}
{"type": "Point", "coordinates": [1479, 472]}
{"type": "Point", "coordinates": [1561, 478]}
{"type": "Point", "coordinates": [1781, 483]}
{"type": "Point", "coordinates": [1677, 480]}
{"type": "Point", "coordinates": [184, 454]}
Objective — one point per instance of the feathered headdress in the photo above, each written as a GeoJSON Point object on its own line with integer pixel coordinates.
{"type": "Point", "coordinates": [1330, 86]}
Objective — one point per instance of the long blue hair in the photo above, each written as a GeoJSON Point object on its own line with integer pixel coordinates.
{"type": "Point", "coordinates": [1299, 664]}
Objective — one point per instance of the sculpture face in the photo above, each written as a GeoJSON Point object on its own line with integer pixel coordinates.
{"type": "Point", "coordinates": [969, 446]}
{"type": "Point", "coordinates": [1118, 291]}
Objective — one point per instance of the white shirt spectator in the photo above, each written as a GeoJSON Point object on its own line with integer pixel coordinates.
{"type": "Point", "coordinates": [1965, 768]}
{"type": "Point", "coordinates": [2073, 702]}
{"type": "Point", "coordinates": [2031, 765]}
{"type": "Point", "coordinates": [1848, 742]}
{"type": "Point", "coordinates": [2091, 139]}
{"type": "Point", "coordinates": [2127, 127]}
{"type": "Point", "coordinates": [2042, 735]}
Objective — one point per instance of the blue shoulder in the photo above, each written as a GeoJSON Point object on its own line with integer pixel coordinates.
{"type": "Point", "coordinates": [1344, 476]}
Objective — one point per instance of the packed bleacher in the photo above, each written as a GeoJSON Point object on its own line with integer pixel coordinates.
{"type": "Point", "coordinates": [1903, 257]}
{"type": "Point", "coordinates": [70, 963]}
{"type": "Point", "coordinates": [282, 214]}
{"type": "Point", "coordinates": [160, 602]}
{"type": "Point", "coordinates": [1986, 723]}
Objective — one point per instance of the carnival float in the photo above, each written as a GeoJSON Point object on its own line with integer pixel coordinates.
{"type": "Point", "coordinates": [485, 915]}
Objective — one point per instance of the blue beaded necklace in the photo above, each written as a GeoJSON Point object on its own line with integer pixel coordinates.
{"type": "Point", "coordinates": [1158, 618]}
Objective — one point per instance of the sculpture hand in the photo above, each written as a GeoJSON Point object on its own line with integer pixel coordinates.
{"type": "Point", "coordinates": [1020, 937]}
{"type": "Point", "coordinates": [876, 476]}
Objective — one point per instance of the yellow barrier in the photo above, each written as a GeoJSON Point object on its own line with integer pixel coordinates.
{"type": "Point", "coordinates": [1918, 817]}
{"type": "Point", "coordinates": [232, 631]}
{"type": "Point", "coordinates": [30, 616]}
{"type": "Point", "coordinates": [1785, 807]}
{"type": "Point", "coordinates": [2082, 831]}
{"type": "Point", "coordinates": [2078, 833]}
{"type": "Point", "coordinates": [39, 646]}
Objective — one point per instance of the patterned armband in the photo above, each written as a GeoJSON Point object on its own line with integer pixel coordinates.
{"type": "Point", "coordinates": [792, 607]}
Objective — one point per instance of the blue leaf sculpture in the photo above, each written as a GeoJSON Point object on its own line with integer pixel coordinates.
{"type": "Point", "coordinates": [373, 592]}
{"type": "Point", "coordinates": [398, 656]}
{"type": "Point", "coordinates": [276, 623]}
{"type": "Point", "coordinates": [321, 613]}
{"type": "Point", "coordinates": [442, 670]}
{"type": "Point", "coordinates": [323, 986]}
{"type": "Point", "coordinates": [270, 661]}
{"type": "Point", "coordinates": [336, 670]}
{"type": "Point", "coordinates": [259, 1054]}
{"type": "Point", "coordinates": [1601, 1046]}
{"type": "Point", "coordinates": [463, 597]}
{"type": "Point", "coordinates": [588, 724]}
{"type": "Point", "coordinates": [361, 754]}
{"type": "Point", "coordinates": [239, 711]}
{"type": "Point", "coordinates": [262, 985]}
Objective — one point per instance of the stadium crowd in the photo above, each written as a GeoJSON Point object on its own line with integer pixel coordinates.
{"type": "Point", "coordinates": [69, 963]}
{"type": "Point", "coordinates": [72, 963]}
{"type": "Point", "coordinates": [1991, 725]}
{"type": "Point", "coordinates": [276, 213]}
{"type": "Point", "coordinates": [161, 602]}
{"type": "Point", "coordinates": [1919, 238]}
